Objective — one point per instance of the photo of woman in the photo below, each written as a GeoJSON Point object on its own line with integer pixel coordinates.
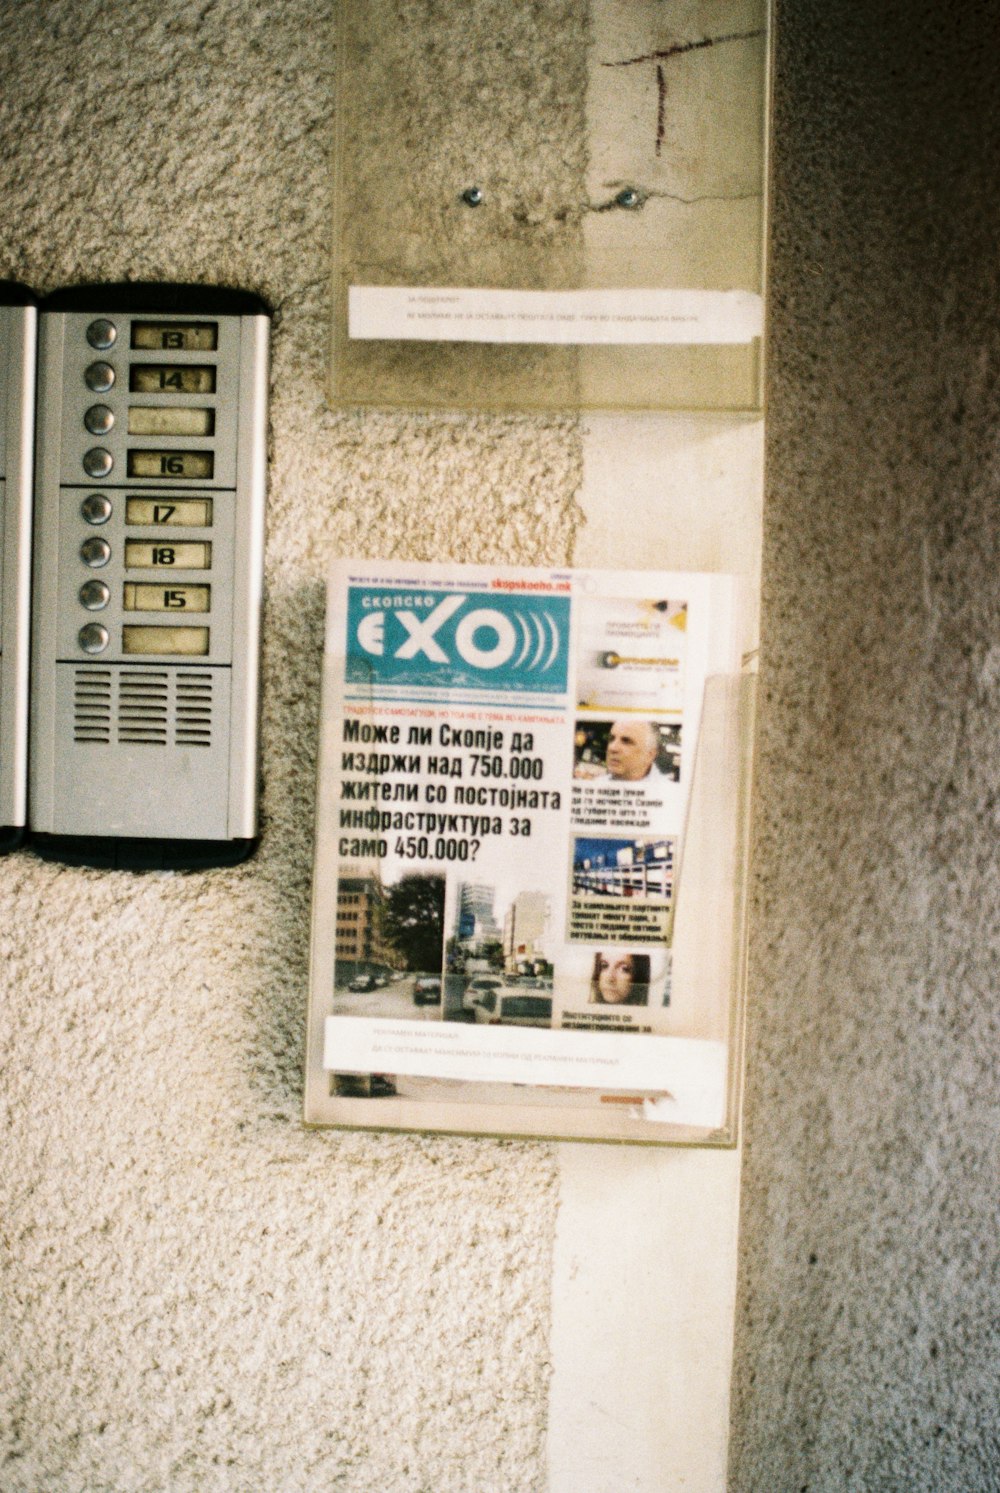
{"type": "Point", "coordinates": [619, 979]}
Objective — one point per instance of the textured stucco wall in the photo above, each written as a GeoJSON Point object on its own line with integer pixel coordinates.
{"type": "Point", "coordinates": [868, 1352]}
{"type": "Point", "coordinates": [196, 1293]}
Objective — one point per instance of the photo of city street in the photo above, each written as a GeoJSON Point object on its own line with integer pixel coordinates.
{"type": "Point", "coordinates": [389, 947]}
{"type": "Point", "coordinates": [499, 958]}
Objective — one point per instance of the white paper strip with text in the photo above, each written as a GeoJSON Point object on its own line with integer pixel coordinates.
{"type": "Point", "coordinates": [688, 1075]}
{"type": "Point", "coordinates": [687, 317]}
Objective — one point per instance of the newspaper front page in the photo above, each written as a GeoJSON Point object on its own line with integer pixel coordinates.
{"type": "Point", "coordinates": [504, 785]}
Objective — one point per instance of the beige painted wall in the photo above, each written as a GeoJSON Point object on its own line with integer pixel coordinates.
{"type": "Point", "coordinates": [867, 1342]}
{"type": "Point", "coordinates": [198, 1295]}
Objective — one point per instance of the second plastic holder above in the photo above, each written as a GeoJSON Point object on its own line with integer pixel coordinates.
{"type": "Point", "coordinates": [550, 206]}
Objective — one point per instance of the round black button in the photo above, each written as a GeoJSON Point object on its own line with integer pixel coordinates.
{"type": "Point", "coordinates": [96, 508]}
{"type": "Point", "coordinates": [95, 552]}
{"type": "Point", "coordinates": [93, 638]}
{"type": "Point", "coordinates": [100, 377]}
{"type": "Point", "coordinates": [99, 419]}
{"type": "Point", "coordinates": [94, 595]}
{"type": "Point", "coordinates": [102, 333]}
{"type": "Point", "coordinates": [97, 462]}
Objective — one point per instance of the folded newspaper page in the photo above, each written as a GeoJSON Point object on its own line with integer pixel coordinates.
{"type": "Point", "coordinates": [505, 781]}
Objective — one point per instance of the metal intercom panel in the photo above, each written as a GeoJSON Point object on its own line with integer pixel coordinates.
{"type": "Point", "coordinates": [152, 457]}
{"type": "Point", "coordinates": [18, 339]}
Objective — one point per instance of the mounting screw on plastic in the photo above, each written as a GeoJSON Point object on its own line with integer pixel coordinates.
{"type": "Point", "coordinates": [628, 197]}
{"type": "Point", "coordinates": [472, 196]}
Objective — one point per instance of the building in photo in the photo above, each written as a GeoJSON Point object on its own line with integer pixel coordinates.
{"type": "Point", "coordinates": [526, 933]}
{"type": "Point", "coordinates": [360, 926]}
{"type": "Point", "coordinates": [477, 924]}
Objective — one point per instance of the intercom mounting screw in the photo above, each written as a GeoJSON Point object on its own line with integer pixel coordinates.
{"type": "Point", "coordinates": [472, 196]}
{"type": "Point", "coordinates": [629, 197]}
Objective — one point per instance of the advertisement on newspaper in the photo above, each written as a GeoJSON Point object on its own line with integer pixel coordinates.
{"type": "Point", "coordinates": [505, 771]}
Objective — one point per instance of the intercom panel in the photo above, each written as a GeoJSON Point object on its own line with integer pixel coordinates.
{"type": "Point", "coordinates": [152, 455]}
{"type": "Point", "coordinates": [18, 340]}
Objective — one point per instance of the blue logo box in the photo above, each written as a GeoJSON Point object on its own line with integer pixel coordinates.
{"type": "Point", "coordinates": [509, 642]}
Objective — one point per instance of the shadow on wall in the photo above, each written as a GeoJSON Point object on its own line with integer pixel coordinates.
{"type": "Point", "coordinates": [282, 868]}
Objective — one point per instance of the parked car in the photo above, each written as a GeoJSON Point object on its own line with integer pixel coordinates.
{"type": "Point", "coordinates": [477, 986]}
{"type": "Point", "coordinates": [427, 990]}
{"type": "Point", "coordinates": [511, 1006]}
{"type": "Point", "coordinates": [362, 983]}
{"type": "Point", "coordinates": [364, 1085]}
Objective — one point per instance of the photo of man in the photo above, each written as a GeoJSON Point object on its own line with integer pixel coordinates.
{"type": "Point", "coordinates": [628, 750]}
{"type": "Point", "coordinates": [632, 751]}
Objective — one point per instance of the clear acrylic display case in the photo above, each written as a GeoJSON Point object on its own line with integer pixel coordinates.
{"type": "Point", "coordinates": [400, 1035]}
{"type": "Point", "coordinates": [602, 165]}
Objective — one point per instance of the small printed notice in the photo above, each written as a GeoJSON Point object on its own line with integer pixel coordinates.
{"type": "Point", "coordinates": [675, 1075]}
{"type": "Point", "coordinates": [687, 317]}
{"type": "Point", "coordinates": [505, 766]}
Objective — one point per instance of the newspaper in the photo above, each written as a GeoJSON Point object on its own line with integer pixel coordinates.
{"type": "Point", "coordinates": [506, 763]}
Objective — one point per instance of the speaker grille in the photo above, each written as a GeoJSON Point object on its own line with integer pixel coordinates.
{"type": "Point", "coordinates": [143, 707]}
{"type": "Point", "coordinates": [92, 706]}
{"type": "Point", "coordinates": [193, 721]}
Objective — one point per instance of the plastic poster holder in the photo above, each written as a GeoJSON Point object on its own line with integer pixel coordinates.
{"type": "Point", "coordinates": [551, 206]}
{"type": "Point", "coordinates": [367, 984]}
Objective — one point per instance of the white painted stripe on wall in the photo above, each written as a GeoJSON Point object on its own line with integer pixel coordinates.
{"type": "Point", "coordinates": [644, 1268]}
{"type": "Point", "coordinates": [644, 1282]}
